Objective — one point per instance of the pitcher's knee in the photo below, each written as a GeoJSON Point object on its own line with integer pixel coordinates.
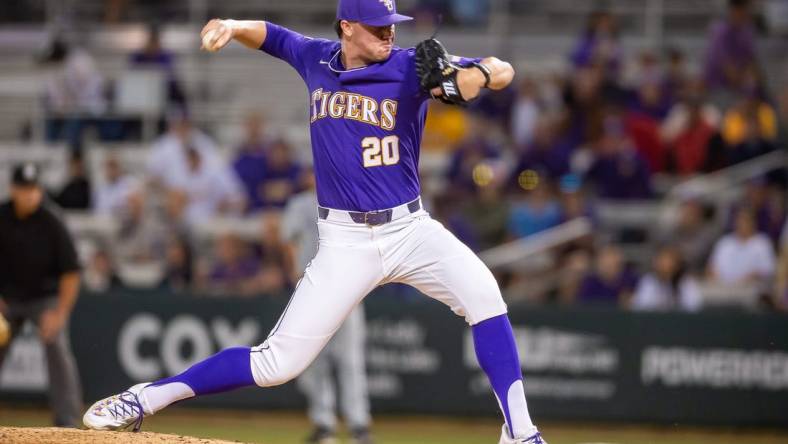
{"type": "Point", "coordinates": [275, 363]}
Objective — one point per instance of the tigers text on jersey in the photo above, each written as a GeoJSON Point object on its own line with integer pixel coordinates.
{"type": "Point", "coordinates": [366, 123]}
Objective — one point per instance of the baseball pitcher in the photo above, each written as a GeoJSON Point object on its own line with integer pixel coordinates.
{"type": "Point", "coordinates": [368, 102]}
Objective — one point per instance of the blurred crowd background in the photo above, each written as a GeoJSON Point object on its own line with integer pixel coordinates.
{"type": "Point", "coordinates": [623, 167]}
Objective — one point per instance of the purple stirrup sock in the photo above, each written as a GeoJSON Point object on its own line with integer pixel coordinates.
{"type": "Point", "coordinates": [496, 352]}
{"type": "Point", "coordinates": [227, 370]}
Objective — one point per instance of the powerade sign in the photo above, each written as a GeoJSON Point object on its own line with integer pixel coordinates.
{"type": "Point", "coordinates": [578, 364]}
{"type": "Point", "coordinates": [715, 368]}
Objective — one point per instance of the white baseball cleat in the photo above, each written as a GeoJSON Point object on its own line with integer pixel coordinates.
{"type": "Point", "coordinates": [536, 438]}
{"type": "Point", "coordinates": [117, 412]}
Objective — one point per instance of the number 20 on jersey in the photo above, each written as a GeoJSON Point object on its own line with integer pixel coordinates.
{"type": "Point", "coordinates": [380, 151]}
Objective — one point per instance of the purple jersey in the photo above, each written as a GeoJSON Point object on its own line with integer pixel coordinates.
{"type": "Point", "coordinates": [366, 123]}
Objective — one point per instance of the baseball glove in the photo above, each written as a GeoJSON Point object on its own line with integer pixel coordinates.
{"type": "Point", "coordinates": [435, 69]}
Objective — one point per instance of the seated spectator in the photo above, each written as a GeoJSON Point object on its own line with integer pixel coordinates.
{"type": "Point", "coordinates": [618, 171]}
{"type": "Point", "coordinates": [599, 45]}
{"type": "Point", "coordinates": [648, 97]}
{"type": "Point", "coordinates": [767, 203]}
{"type": "Point", "coordinates": [144, 233]}
{"type": "Point", "coordinates": [234, 267]}
{"type": "Point", "coordinates": [584, 99]}
{"type": "Point", "coordinates": [281, 177]}
{"type": "Point", "coordinates": [178, 270]}
{"type": "Point", "coordinates": [472, 151]}
{"type": "Point", "coordinates": [675, 78]}
{"type": "Point", "coordinates": [642, 125]}
{"type": "Point", "coordinates": [547, 152]}
{"type": "Point", "coordinates": [611, 283]}
{"type": "Point", "coordinates": [692, 235]}
{"type": "Point", "coordinates": [152, 55]}
{"type": "Point", "coordinates": [99, 274]}
{"type": "Point", "coordinates": [206, 190]}
{"type": "Point", "coordinates": [536, 211]}
{"type": "Point", "coordinates": [250, 162]}
{"type": "Point", "coordinates": [743, 257]}
{"type": "Point", "coordinates": [574, 265]}
{"type": "Point", "coordinates": [688, 130]}
{"type": "Point", "coordinates": [113, 195]}
{"type": "Point", "coordinates": [272, 276]}
{"type": "Point", "coordinates": [496, 107]}
{"type": "Point", "coordinates": [525, 113]}
{"type": "Point", "coordinates": [731, 48]}
{"type": "Point", "coordinates": [75, 95]}
{"type": "Point", "coordinates": [168, 161]}
{"type": "Point", "coordinates": [75, 195]}
{"type": "Point", "coordinates": [573, 200]}
{"type": "Point", "coordinates": [667, 286]}
{"type": "Point", "coordinates": [750, 121]}
{"type": "Point", "coordinates": [485, 214]}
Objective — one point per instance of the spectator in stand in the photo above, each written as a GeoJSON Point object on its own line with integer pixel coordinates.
{"type": "Point", "coordinates": [642, 124]}
{"type": "Point", "coordinates": [731, 49]}
{"type": "Point", "coordinates": [548, 152]}
{"type": "Point", "coordinates": [486, 215]}
{"type": "Point", "coordinates": [168, 162]}
{"type": "Point", "coordinates": [599, 46]}
{"type": "Point", "coordinates": [496, 108]}
{"type": "Point", "coordinates": [618, 171]}
{"type": "Point", "coordinates": [743, 257]}
{"type": "Point", "coordinates": [688, 130]}
{"type": "Point", "coordinates": [537, 209]}
{"type": "Point", "coordinates": [75, 95]}
{"type": "Point", "coordinates": [477, 148]}
{"type": "Point", "coordinates": [767, 203]}
{"type": "Point", "coordinates": [178, 270]}
{"type": "Point", "coordinates": [234, 267]}
{"type": "Point", "coordinates": [667, 286]}
{"type": "Point", "coordinates": [583, 97]}
{"type": "Point", "coordinates": [525, 113]}
{"type": "Point", "coordinates": [648, 95]}
{"type": "Point", "coordinates": [205, 191]}
{"type": "Point", "coordinates": [692, 235]}
{"type": "Point", "coordinates": [611, 283]}
{"type": "Point", "coordinates": [574, 203]}
{"type": "Point", "coordinates": [75, 195]}
{"type": "Point", "coordinates": [574, 265]}
{"type": "Point", "coordinates": [153, 56]}
{"type": "Point", "coordinates": [749, 129]}
{"type": "Point", "coordinates": [675, 78]}
{"type": "Point", "coordinates": [114, 194]}
{"type": "Point", "coordinates": [282, 175]}
{"type": "Point", "coordinates": [275, 269]}
{"type": "Point", "coordinates": [99, 273]}
{"type": "Point", "coordinates": [250, 162]}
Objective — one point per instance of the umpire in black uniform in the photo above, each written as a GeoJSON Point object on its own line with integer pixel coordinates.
{"type": "Point", "coordinates": [39, 280]}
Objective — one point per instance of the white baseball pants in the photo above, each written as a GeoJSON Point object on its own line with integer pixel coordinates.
{"type": "Point", "coordinates": [353, 259]}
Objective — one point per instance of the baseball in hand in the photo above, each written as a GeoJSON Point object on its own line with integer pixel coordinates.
{"type": "Point", "coordinates": [208, 40]}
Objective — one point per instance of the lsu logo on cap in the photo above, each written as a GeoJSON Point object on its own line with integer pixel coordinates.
{"type": "Point", "coordinates": [389, 4]}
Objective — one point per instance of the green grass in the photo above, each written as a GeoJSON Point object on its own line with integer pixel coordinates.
{"type": "Point", "coordinates": [290, 428]}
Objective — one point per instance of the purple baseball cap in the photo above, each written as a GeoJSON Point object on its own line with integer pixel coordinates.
{"type": "Point", "coordinates": [370, 12]}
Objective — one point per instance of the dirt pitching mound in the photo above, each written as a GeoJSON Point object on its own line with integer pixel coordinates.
{"type": "Point", "coordinates": [54, 435]}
